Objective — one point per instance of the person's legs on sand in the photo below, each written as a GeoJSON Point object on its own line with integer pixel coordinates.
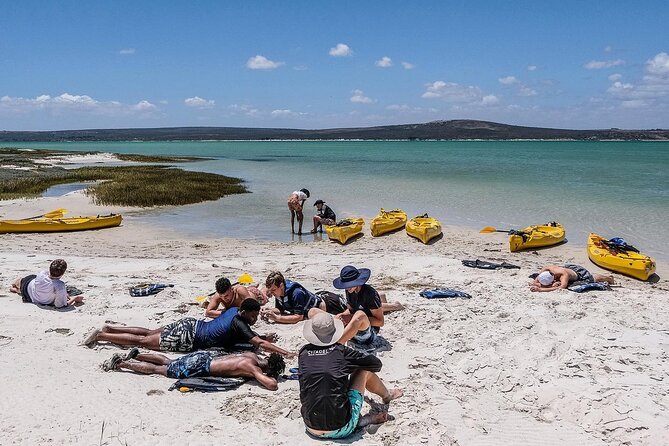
{"type": "Point", "coordinates": [359, 322]}
{"type": "Point", "coordinates": [602, 278]}
{"type": "Point", "coordinates": [364, 380]}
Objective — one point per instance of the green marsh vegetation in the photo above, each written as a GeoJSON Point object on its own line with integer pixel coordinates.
{"type": "Point", "coordinates": [134, 185]}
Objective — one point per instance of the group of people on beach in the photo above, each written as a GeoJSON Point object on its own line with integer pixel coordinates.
{"type": "Point", "coordinates": [333, 377]}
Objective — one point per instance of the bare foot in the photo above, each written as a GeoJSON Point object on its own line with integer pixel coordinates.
{"type": "Point", "coordinates": [91, 339]}
{"type": "Point", "coordinates": [377, 418]}
{"type": "Point", "coordinates": [313, 231]}
{"type": "Point", "coordinates": [393, 395]}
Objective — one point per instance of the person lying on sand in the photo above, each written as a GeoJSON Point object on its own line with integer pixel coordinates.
{"type": "Point", "coordinates": [231, 331]}
{"type": "Point", "coordinates": [229, 296]}
{"type": "Point", "coordinates": [203, 363]}
{"type": "Point", "coordinates": [296, 205]}
{"type": "Point", "coordinates": [294, 302]}
{"type": "Point", "coordinates": [331, 400]}
{"type": "Point", "coordinates": [554, 277]}
{"type": "Point", "coordinates": [46, 287]}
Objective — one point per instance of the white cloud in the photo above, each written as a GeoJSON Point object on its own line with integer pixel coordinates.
{"type": "Point", "coordinates": [144, 106]}
{"type": "Point", "coordinates": [599, 64]}
{"type": "Point", "coordinates": [531, 68]}
{"type": "Point", "coordinates": [259, 62]}
{"type": "Point", "coordinates": [283, 113]}
{"type": "Point", "coordinates": [615, 77]}
{"type": "Point", "coordinates": [619, 87]}
{"type": "Point", "coordinates": [384, 62]}
{"type": "Point", "coordinates": [243, 109]}
{"type": "Point", "coordinates": [608, 49]}
{"type": "Point", "coordinates": [198, 102]}
{"type": "Point", "coordinates": [508, 80]}
{"type": "Point", "coordinates": [408, 66]}
{"type": "Point", "coordinates": [452, 92]}
{"type": "Point", "coordinates": [490, 99]}
{"type": "Point", "coordinates": [360, 98]}
{"type": "Point", "coordinates": [67, 102]}
{"type": "Point", "coordinates": [410, 109]}
{"type": "Point", "coordinates": [634, 103]}
{"type": "Point", "coordinates": [127, 51]}
{"type": "Point", "coordinates": [341, 50]}
{"type": "Point", "coordinates": [526, 91]}
{"type": "Point", "coordinates": [658, 66]}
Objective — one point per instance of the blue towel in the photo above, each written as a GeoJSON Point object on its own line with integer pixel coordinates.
{"type": "Point", "coordinates": [443, 292]}
{"type": "Point", "coordinates": [600, 286]}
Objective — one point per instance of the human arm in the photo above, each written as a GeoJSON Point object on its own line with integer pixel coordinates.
{"type": "Point", "coordinates": [267, 346]}
{"type": "Point", "coordinates": [212, 309]}
{"type": "Point", "coordinates": [266, 381]}
{"type": "Point", "coordinates": [284, 319]}
{"type": "Point", "coordinates": [539, 289]}
{"type": "Point", "coordinates": [75, 299]}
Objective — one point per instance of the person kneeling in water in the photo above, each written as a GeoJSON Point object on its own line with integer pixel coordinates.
{"type": "Point", "coordinates": [200, 364]}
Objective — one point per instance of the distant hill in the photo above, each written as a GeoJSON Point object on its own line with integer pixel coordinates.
{"type": "Point", "coordinates": [435, 130]}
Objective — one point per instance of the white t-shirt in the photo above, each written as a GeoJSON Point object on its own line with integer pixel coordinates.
{"type": "Point", "coordinates": [300, 195]}
{"type": "Point", "coordinates": [47, 291]}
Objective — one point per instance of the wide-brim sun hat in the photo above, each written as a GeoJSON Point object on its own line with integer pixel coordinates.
{"type": "Point", "coordinates": [323, 329]}
{"type": "Point", "coordinates": [350, 277]}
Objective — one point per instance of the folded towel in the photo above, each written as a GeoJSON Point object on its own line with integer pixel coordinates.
{"type": "Point", "coordinates": [443, 293]}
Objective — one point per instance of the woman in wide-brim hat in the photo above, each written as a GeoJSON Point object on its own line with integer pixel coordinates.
{"type": "Point", "coordinates": [351, 277]}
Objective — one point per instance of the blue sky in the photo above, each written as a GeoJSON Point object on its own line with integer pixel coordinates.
{"type": "Point", "coordinates": [320, 64]}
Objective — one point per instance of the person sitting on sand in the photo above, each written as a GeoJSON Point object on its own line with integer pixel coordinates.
{"type": "Point", "coordinates": [229, 331]}
{"type": "Point", "coordinates": [325, 216]}
{"type": "Point", "coordinates": [554, 277]}
{"type": "Point", "coordinates": [294, 302]}
{"type": "Point", "coordinates": [363, 317]}
{"type": "Point", "coordinates": [229, 296]}
{"type": "Point", "coordinates": [200, 364]}
{"type": "Point", "coordinates": [296, 205]}
{"type": "Point", "coordinates": [331, 400]}
{"type": "Point", "coordinates": [46, 288]}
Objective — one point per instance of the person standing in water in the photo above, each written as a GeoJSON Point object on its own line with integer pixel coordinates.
{"type": "Point", "coordinates": [296, 206]}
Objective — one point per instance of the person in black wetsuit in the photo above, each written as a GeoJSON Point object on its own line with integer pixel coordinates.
{"type": "Point", "coordinates": [189, 334]}
{"type": "Point", "coordinates": [331, 402]}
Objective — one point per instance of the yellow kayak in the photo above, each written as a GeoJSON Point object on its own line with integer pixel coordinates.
{"type": "Point", "coordinates": [423, 228]}
{"type": "Point", "coordinates": [60, 224]}
{"type": "Point", "coordinates": [388, 221]}
{"type": "Point", "coordinates": [537, 236]}
{"type": "Point", "coordinates": [630, 263]}
{"type": "Point", "coordinates": [345, 229]}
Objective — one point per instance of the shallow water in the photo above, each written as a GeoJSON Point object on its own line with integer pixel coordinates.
{"type": "Point", "coordinates": [618, 188]}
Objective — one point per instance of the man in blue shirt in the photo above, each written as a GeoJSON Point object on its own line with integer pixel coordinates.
{"type": "Point", "coordinates": [228, 330]}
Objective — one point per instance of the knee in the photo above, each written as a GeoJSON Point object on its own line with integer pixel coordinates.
{"type": "Point", "coordinates": [360, 319]}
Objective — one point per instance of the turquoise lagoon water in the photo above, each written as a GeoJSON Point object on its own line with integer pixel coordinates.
{"type": "Point", "coordinates": [618, 188]}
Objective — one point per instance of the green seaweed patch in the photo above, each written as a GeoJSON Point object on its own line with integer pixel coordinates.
{"type": "Point", "coordinates": [158, 158]}
{"type": "Point", "coordinates": [143, 186]}
{"type": "Point", "coordinates": [19, 156]}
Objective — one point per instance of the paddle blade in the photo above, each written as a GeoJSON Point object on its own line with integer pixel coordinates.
{"type": "Point", "coordinates": [58, 213]}
{"type": "Point", "coordinates": [487, 230]}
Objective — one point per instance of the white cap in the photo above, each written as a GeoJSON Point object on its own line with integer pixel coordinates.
{"type": "Point", "coordinates": [545, 278]}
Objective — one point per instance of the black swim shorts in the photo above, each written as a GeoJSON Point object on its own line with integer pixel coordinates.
{"type": "Point", "coordinates": [24, 288]}
{"type": "Point", "coordinates": [582, 273]}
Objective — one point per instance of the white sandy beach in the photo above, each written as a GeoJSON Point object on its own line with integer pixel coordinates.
{"type": "Point", "coordinates": [506, 367]}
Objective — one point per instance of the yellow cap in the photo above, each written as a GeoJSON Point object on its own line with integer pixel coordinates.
{"type": "Point", "coordinates": [245, 279]}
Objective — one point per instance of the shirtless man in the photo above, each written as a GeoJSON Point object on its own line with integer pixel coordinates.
{"type": "Point", "coordinates": [554, 277]}
{"type": "Point", "coordinates": [202, 363]}
{"type": "Point", "coordinates": [230, 296]}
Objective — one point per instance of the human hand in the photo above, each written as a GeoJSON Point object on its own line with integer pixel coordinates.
{"type": "Point", "coordinates": [534, 288]}
{"type": "Point", "coordinates": [272, 337]}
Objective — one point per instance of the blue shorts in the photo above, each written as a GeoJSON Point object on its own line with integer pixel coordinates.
{"type": "Point", "coordinates": [355, 398]}
{"type": "Point", "coordinates": [365, 336]}
{"type": "Point", "coordinates": [190, 366]}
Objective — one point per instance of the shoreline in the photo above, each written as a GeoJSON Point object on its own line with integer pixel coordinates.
{"type": "Point", "coordinates": [558, 366]}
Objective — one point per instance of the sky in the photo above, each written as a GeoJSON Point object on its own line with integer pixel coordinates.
{"type": "Point", "coordinates": [328, 64]}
